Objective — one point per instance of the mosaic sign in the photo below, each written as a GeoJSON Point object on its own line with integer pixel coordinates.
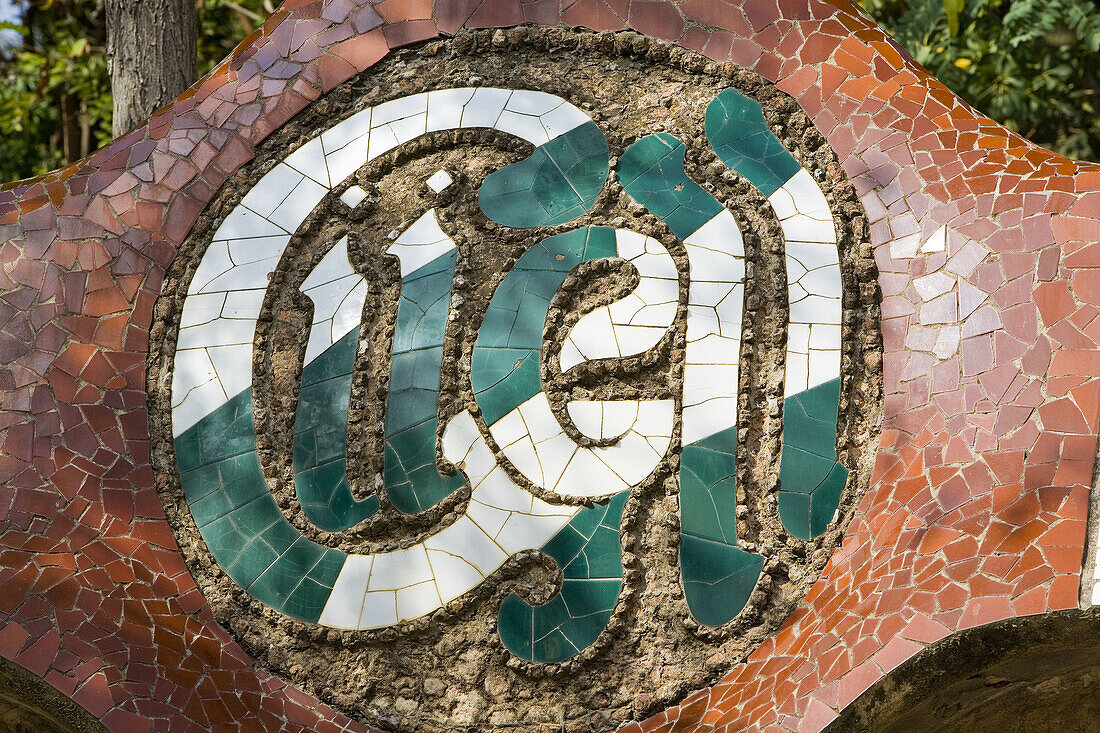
{"type": "Point", "coordinates": [514, 369]}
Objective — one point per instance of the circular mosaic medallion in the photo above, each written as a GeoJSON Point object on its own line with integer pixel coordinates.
{"type": "Point", "coordinates": [526, 380]}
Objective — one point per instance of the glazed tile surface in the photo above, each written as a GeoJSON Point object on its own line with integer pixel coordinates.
{"type": "Point", "coordinates": [985, 247]}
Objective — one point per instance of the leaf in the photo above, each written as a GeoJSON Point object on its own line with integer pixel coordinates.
{"type": "Point", "coordinates": [953, 8]}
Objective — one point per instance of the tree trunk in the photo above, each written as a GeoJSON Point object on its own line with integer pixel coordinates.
{"type": "Point", "coordinates": [151, 45]}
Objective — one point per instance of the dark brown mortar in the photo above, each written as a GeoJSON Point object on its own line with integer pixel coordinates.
{"type": "Point", "coordinates": [449, 671]}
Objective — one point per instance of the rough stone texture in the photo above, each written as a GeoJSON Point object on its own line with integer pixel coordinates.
{"type": "Point", "coordinates": [978, 503]}
{"type": "Point", "coordinates": [449, 670]}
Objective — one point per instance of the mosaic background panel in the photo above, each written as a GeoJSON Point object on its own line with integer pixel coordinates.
{"type": "Point", "coordinates": [980, 496]}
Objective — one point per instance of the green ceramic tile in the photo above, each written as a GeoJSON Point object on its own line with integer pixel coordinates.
{"type": "Point", "coordinates": [737, 131]}
{"type": "Point", "coordinates": [584, 597]}
{"type": "Point", "coordinates": [821, 402]}
{"type": "Point", "coordinates": [554, 647]}
{"type": "Point", "coordinates": [806, 515]}
{"type": "Point", "coordinates": [333, 362]}
{"type": "Point", "coordinates": [794, 512]}
{"type": "Point", "coordinates": [588, 549]}
{"type": "Point", "coordinates": [601, 557]}
{"type": "Point", "coordinates": [566, 544]}
{"type": "Point", "coordinates": [826, 498]}
{"type": "Point", "coordinates": [564, 626]}
{"type": "Point", "coordinates": [321, 427]}
{"type": "Point", "coordinates": [810, 478]}
{"type": "Point", "coordinates": [520, 384]}
{"type": "Point", "coordinates": [228, 431]}
{"type": "Point", "coordinates": [424, 305]}
{"type": "Point", "coordinates": [718, 578]}
{"type": "Point", "coordinates": [307, 601]}
{"type": "Point", "coordinates": [807, 433]}
{"type": "Point", "coordinates": [652, 171]}
{"type": "Point", "coordinates": [240, 480]}
{"type": "Point", "coordinates": [413, 483]}
{"type": "Point", "coordinates": [514, 624]}
{"type": "Point", "coordinates": [559, 182]}
{"type": "Point", "coordinates": [800, 471]}
{"type": "Point", "coordinates": [505, 363]}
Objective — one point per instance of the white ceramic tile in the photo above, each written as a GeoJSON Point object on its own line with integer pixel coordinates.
{"type": "Point", "coordinates": [353, 196]}
{"type": "Point", "coordinates": [417, 600]}
{"type": "Point", "coordinates": [715, 349]}
{"type": "Point", "coordinates": [349, 314]}
{"type": "Point", "coordinates": [445, 108]}
{"type": "Point", "coordinates": [804, 191]}
{"type": "Point", "coordinates": [409, 128]}
{"type": "Point", "coordinates": [243, 223]}
{"type": "Point", "coordinates": [344, 607]}
{"type": "Point", "coordinates": [459, 436]}
{"type": "Point", "coordinates": [796, 377]}
{"type": "Point", "coordinates": [720, 235]}
{"type": "Point", "coordinates": [934, 285]}
{"type": "Point", "coordinates": [529, 102]}
{"type": "Point", "coordinates": [400, 108]}
{"type": "Point", "coordinates": [342, 133]}
{"type": "Point", "coordinates": [526, 531]}
{"type": "Point", "coordinates": [538, 418]}
{"type": "Point", "coordinates": [937, 242]}
{"type": "Point", "coordinates": [196, 403]}
{"type": "Point", "coordinates": [802, 228]}
{"type": "Point", "coordinates": [484, 107]}
{"type": "Point", "coordinates": [498, 490]}
{"type": "Point", "coordinates": [587, 417]}
{"type": "Point", "coordinates": [570, 355]}
{"type": "Point", "coordinates": [947, 343]}
{"type": "Point", "coordinates": [379, 609]}
{"type": "Point", "coordinates": [823, 367]}
{"type": "Point", "coordinates": [825, 337]}
{"type": "Point", "coordinates": [242, 304]}
{"type": "Point", "coordinates": [233, 365]}
{"type": "Point", "coordinates": [215, 262]}
{"type": "Point", "coordinates": [563, 119]}
{"type": "Point", "coordinates": [293, 210]}
{"type": "Point", "coordinates": [193, 368]}
{"type": "Point", "coordinates": [607, 332]}
{"type": "Point", "coordinates": [423, 242]}
{"type": "Point", "coordinates": [903, 248]}
{"type": "Point", "coordinates": [382, 139]}
{"type": "Point", "coordinates": [824, 281]}
{"type": "Point", "coordinates": [814, 309]}
{"type": "Point", "coordinates": [707, 418]}
{"type": "Point", "coordinates": [249, 276]}
{"type": "Point", "coordinates": [465, 539]}
{"type": "Point", "coordinates": [782, 203]}
{"type": "Point", "coordinates": [488, 518]}
{"type": "Point", "coordinates": [638, 339]}
{"type": "Point", "coordinates": [523, 126]}
{"type": "Point", "coordinates": [310, 160]}
{"type": "Point", "coordinates": [811, 255]}
{"type": "Point", "coordinates": [592, 337]}
{"type": "Point", "coordinates": [587, 475]}
{"type": "Point", "coordinates": [220, 332]}
{"type": "Point", "coordinates": [453, 575]}
{"type": "Point", "coordinates": [272, 190]}
{"type": "Point", "coordinates": [202, 308]}
{"type": "Point", "coordinates": [439, 180]}
{"type": "Point", "coordinates": [706, 381]}
{"type": "Point", "coordinates": [346, 160]}
{"type": "Point", "coordinates": [400, 569]}
{"type": "Point", "coordinates": [554, 455]}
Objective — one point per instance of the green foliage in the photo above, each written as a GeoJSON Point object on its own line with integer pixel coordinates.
{"type": "Point", "coordinates": [55, 92]}
{"type": "Point", "coordinates": [1032, 65]}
